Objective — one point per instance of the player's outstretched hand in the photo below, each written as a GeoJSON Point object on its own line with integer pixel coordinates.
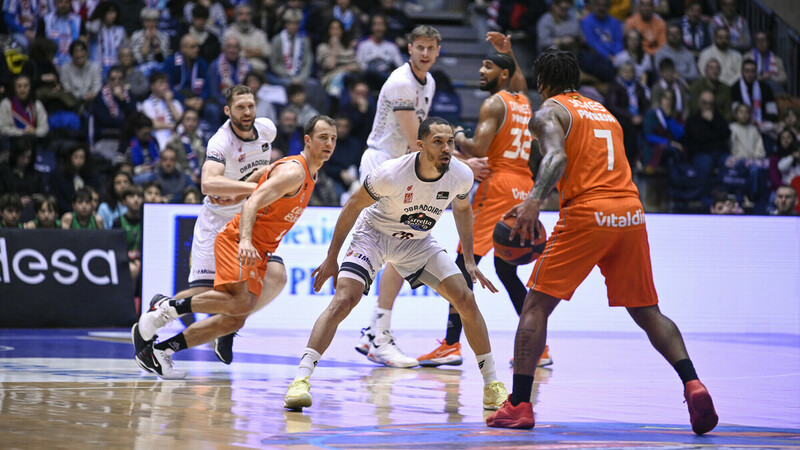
{"type": "Point", "coordinates": [328, 268]}
{"type": "Point", "coordinates": [248, 255]}
{"type": "Point", "coordinates": [477, 276]}
{"type": "Point", "coordinates": [527, 214]}
{"type": "Point", "coordinates": [500, 41]}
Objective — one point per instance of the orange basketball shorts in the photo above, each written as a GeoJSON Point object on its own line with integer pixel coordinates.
{"type": "Point", "coordinates": [226, 256]}
{"type": "Point", "coordinates": [495, 196]}
{"type": "Point", "coordinates": [609, 233]}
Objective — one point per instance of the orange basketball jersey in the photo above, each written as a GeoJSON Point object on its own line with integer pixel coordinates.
{"type": "Point", "coordinates": [511, 146]}
{"type": "Point", "coordinates": [275, 219]}
{"type": "Point", "coordinates": [596, 162]}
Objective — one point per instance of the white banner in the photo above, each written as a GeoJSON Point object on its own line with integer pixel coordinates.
{"type": "Point", "coordinates": [712, 273]}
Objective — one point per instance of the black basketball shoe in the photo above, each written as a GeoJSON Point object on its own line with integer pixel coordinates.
{"type": "Point", "coordinates": [139, 342]}
{"type": "Point", "coordinates": [158, 362]}
{"type": "Point", "coordinates": [223, 347]}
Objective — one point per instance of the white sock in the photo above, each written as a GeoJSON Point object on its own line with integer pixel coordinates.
{"type": "Point", "coordinates": [382, 321]}
{"type": "Point", "coordinates": [486, 364]}
{"type": "Point", "coordinates": [307, 363]}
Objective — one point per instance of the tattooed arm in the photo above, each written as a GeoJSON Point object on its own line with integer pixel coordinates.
{"type": "Point", "coordinates": [548, 125]}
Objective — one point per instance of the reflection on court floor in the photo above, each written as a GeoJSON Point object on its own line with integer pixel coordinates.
{"type": "Point", "coordinates": [79, 388]}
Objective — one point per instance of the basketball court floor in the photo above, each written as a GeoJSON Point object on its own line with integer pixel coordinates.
{"type": "Point", "coordinates": [81, 389]}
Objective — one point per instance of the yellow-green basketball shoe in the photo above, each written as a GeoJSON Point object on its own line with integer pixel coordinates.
{"type": "Point", "coordinates": [298, 397]}
{"type": "Point", "coordinates": [494, 394]}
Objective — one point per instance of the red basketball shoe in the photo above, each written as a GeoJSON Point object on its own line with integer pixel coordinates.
{"type": "Point", "coordinates": [510, 416]}
{"type": "Point", "coordinates": [701, 409]}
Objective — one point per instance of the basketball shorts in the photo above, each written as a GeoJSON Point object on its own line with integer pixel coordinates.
{"type": "Point", "coordinates": [205, 232]}
{"type": "Point", "coordinates": [226, 252]}
{"type": "Point", "coordinates": [370, 161]}
{"type": "Point", "coordinates": [495, 196]}
{"type": "Point", "coordinates": [420, 261]}
{"type": "Point", "coordinates": [608, 233]}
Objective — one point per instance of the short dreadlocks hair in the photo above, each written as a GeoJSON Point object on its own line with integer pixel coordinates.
{"type": "Point", "coordinates": [558, 70]}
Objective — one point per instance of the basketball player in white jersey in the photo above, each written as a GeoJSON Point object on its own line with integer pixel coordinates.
{"type": "Point", "coordinates": [401, 202]}
{"type": "Point", "coordinates": [236, 157]}
{"type": "Point", "coordinates": [403, 103]}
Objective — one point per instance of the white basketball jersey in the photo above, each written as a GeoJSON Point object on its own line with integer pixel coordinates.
{"type": "Point", "coordinates": [408, 207]}
{"type": "Point", "coordinates": [401, 92]}
{"type": "Point", "coordinates": [241, 158]}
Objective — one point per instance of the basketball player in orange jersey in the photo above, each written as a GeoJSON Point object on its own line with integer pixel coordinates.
{"type": "Point", "coordinates": [241, 252]}
{"type": "Point", "coordinates": [502, 135]}
{"type": "Point", "coordinates": [601, 223]}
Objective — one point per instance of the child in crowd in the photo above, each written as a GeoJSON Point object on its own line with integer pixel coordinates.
{"type": "Point", "coordinates": [153, 193]}
{"type": "Point", "coordinates": [191, 196]}
{"type": "Point", "coordinates": [82, 215]}
{"type": "Point", "coordinates": [131, 222]}
{"type": "Point", "coordinates": [45, 211]}
{"type": "Point", "coordinates": [10, 210]}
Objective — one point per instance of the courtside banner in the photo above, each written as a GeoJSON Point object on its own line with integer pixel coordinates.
{"type": "Point", "coordinates": [65, 278]}
{"type": "Point", "coordinates": [736, 274]}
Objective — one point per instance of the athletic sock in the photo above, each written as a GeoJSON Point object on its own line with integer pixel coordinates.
{"type": "Point", "coordinates": [685, 370]}
{"type": "Point", "coordinates": [307, 363]}
{"type": "Point", "coordinates": [174, 344]}
{"type": "Point", "coordinates": [521, 389]}
{"type": "Point", "coordinates": [486, 364]}
{"type": "Point", "coordinates": [383, 320]}
{"type": "Point", "coordinates": [454, 326]}
{"type": "Point", "coordinates": [182, 305]}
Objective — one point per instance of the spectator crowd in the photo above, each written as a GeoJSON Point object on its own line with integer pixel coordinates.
{"type": "Point", "coordinates": [108, 104]}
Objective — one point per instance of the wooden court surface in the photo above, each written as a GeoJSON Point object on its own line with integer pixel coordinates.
{"type": "Point", "coordinates": [78, 389]}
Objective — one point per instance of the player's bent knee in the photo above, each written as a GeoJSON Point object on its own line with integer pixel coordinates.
{"type": "Point", "coordinates": [230, 324]}
{"type": "Point", "coordinates": [242, 304]}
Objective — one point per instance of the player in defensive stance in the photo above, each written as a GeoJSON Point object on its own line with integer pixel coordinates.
{"type": "Point", "coordinates": [241, 252]}
{"type": "Point", "coordinates": [403, 198]}
{"type": "Point", "coordinates": [502, 135]}
{"type": "Point", "coordinates": [601, 223]}
{"type": "Point", "coordinates": [236, 157]}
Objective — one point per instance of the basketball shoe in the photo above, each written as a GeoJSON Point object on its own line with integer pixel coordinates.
{"type": "Point", "coordinates": [510, 416]}
{"type": "Point", "coordinates": [544, 360]}
{"type": "Point", "coordinates": [445, 355]}
{"type": "Point", "coordinates": [158, 362]}
{"type": "Point", "coordinates": [384, 351]}
{"type": "Point", "coordinates": [365, 340]}
{"type": "Point", "coordinates": [138, 341]}
{"type": "Point", "coordinates": [701, 409]}
{"type": "Point", "coordinates": [494, 394]}
{"type": "Point", "coordinates": [298, 396]}
{"type": "Point", "coordinates": [161, 313]}
{"type": "Point", "coordinates": [223, 347]}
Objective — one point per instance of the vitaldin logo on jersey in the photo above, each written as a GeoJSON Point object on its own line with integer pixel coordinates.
{"type": "Point", "coordinates": [615, 221]}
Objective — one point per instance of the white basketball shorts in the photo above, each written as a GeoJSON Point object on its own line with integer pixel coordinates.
{"type": "Point", "coordinates": [420, 261]}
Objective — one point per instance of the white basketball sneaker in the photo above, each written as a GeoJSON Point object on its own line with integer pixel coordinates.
{"type": "Point", "coordinates": [161, 314]}
{"type": "Point", "coordinates": [365, 340]}
{"type": "Point", "coordinates": [384, 351]}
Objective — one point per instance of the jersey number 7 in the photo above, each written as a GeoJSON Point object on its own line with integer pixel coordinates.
{"type": "Point", "coordinates": [606, 134]}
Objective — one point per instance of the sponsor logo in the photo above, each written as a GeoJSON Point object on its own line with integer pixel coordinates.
{"type": "Point", "coordinates": [442, 195]}
{"type": "Point", "coordinates": [426, 208]}
{"type": "Point", "coordinates": [204, 271]}
{"type": "Point", "coordinates": [364, 258]}
{"type": "Point", "coordinates": [519, 194]}
{"type": "Point", "coordinates": [242, 157]}
{"type": "Point", "coordinates": [31, 267]}
{"type": "Point", "coordinates": [409, 198]}
{"type": "Point", "coordinates": [349, 252]}
{"type": "Point", "coordinates": [615, 221]}
{"type": "Point", "coordinates": [409, 187]}
{"type": "Point", "coordinates": [253, 165]}
{"type": "Point", "coordinates": [294, 214]}
{"type": "Point", "coordinates": [418, 221]}
{"type": "Point", "coordinates": [265, 147]}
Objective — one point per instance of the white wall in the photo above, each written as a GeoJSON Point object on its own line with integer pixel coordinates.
{"type": "Point", "coordinates": [712, 273]}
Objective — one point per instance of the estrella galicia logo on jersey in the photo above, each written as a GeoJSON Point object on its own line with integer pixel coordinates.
{"type": "Point", "coordinates": [418, 221]}
{"type": "Point", "coordinates": [442, 195]}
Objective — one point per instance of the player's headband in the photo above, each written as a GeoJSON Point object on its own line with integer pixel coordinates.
{"type": "Point", "coordinates": [502, 61]}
